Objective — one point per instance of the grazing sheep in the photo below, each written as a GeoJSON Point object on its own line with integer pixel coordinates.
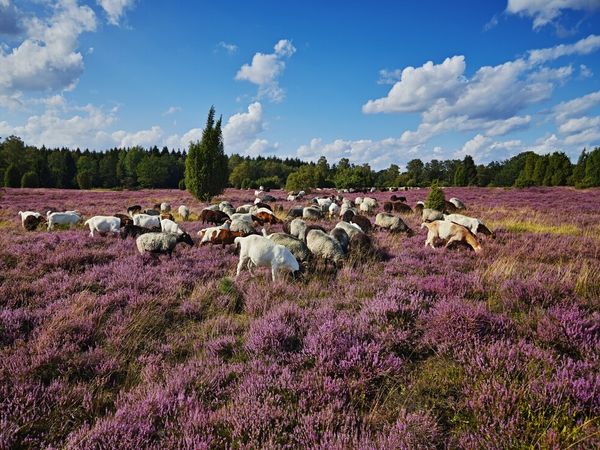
{"type": "Point", "coordinates": [103, 224]}
{"type": "Point", "coordinates": [258, 251]}
{"type": "Point", "coordinates": [396, 198]}
{"type": "Point", "coordinates": [325, 247]}
{"type": "Point", "coordinates": [369, 201]}
{"type": "Point", "coordinates": [208, 233]}
{"type": "Point", "coordinates": [25, 214]}
{"type": "Point", "coordinates": [263, 205]}
{"type": "Point", "coordinates": [268, 198]}
{"type": "Point", "coordinates": [214, 217]}
{"type": "Point", "coordinates": [224, 205]}
{"type": "Point", "coordinates": [363, 222]}
{"type": "Point", "coordinates": [124, 219]}
{"type": "Point", "coordinates": [429, 215]}
{"type": "Point", "coordinates": [229, 211]}
{"type": "Point", "coordinates": [392, 223]}
{"type": "Point", "coordinates": [297, 247]}
{"type": "Point", "coordinates": [298, 228]}
{"type": "Point", "coordinates": [456, 202]}
{"type": "Point", "coordinates": [312, 213]}
{"type": "Point", "coordinates": [158, 243]}
{"type": "Point", "coordinates": [134, 231]}
{"type": "Point", "coordinates": [449, 232]}
{"type": "Point", "coordinates": [361, 246]}
{"type": "Point", "coordinates": [184, 212]}
{"type": "Point", "coordinates": [348, 215]}
{"type": "Point", "coordinates": [168, 216]}
{"type": "Point", "coordinates": [471, 223]}
{"type": "Point", "coordinates": [449, 208]}
{"type": "Point", "coordinates": [224, 237]}
{"type": "Point", "coordinates": [244, 209]}
{"type": "Point", "coordinates": [165, 207]}
{"type": "Point", "coordinates": [419, 207]}
{"type": "Point", "coordinates": [152, 212]}
{"type": "Point", "coordinates": [358, 201]}
{"type": "Point", "coordinates": [62, 218]}
{"type": "Point", "coordinates": [334, 210]}
{"type": "Point", "coordinates": [242, 226]}
{"type": "Point", "coordinates": [169, 226]}
{"type": "Point", "coordinates": [342, 237]}
{"type": "Point", "coordinates": [350, 229]}
{"type": "Point", "coordinates": [365, 208]}
{"type": "Point", "coordinates": [31, 222]}
{"type": "Point", "coordinates": [266, 216]}
{"type": "Point", "coordinates": [146, 221]}
{"type": "Point", "coordinates": [133, 210]}
{"type": "Point", "coordinates": [388, 207]}
{"type": "Point", "coordinates": [296, 211]}
{"type": "Point", "coordinates": [347, 206]}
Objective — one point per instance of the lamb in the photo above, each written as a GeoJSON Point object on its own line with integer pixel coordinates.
{"type": "Point", "coordinates": [350, 229]}
{"type": "Point", "coordinates": [25, 214]}
{"type": "Point", "coordinates": [134, 231]}
{"type": "Point", "coordinates": [342, 237]}
{"type": "Point", "coordinates": [214, 217]}
{"type": "Point", "coordinates": [165, 207]}
{"type": "Point", "coordinates": [103, 224]}
{"type": "Point", "coordinates": [258, 251]}
{"type": "Point", "coordinates": [392, 223]}
{"type": "Point", "coordinates": [133, 210]}
{"type": "Point", "coordinates": [325, 247]}
{"type": "Point", "coordinates": [429, 215]}
{"type": "Point", "coordinates": [473, 224]}
{"type": "Point", "coordinates": [157, 243]}
{"type": "Point", "coordinates": [312, 213]}
{"type": "Point", "coordinates": [184, 212]}
{"type": "Point", "coordinates": [146, 221]}
{"type": "Point", "coordinates": [169, 226]}
{"type": "Point", "coordinates": [297, 247]}
{"type": "Point", "coordinates": [62, 218]}
{"type": "Point", "coordinates": [456, 202]}
{"type": "Point", "coordinates": [450, 232]}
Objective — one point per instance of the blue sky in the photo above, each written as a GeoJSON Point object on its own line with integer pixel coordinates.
{"type": "Point", "coordinates": [378, 82]}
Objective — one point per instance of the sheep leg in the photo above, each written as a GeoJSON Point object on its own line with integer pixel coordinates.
{"type": "Point", "coordinates": [241, 264]}
{"type": "Point", "coordinates": [274, 272]}
{"type": "Point", "coordinates": [452, 239]}
{"type": "Point", "coordinates": [250, 266]}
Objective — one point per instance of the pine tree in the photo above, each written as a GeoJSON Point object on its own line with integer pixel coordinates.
{"type": "Point", "coordinates": [470, 171]}
{"type": "Point", "coordinates": [206, 163]}
{"type": "Point", "coordinates": [436, 199]}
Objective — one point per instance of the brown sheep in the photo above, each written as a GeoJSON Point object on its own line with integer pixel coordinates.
{"type": "Point", "coordinates": [124, 219]}
{"type": "Point", "coordinates": [401, 207]}
{"type": "Point", "coordinates": [214, 217]}
{"type": "Point", "coordinates": [264, 217]}
{"type": "Point", "coordinates": [363, 222]}
{"type": "Point", "coordinates": [450, 232]}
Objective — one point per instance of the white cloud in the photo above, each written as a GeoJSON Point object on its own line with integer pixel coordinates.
{"type": "Point", "coordinates": [579, 124]}
{"type": "Point", "coordinates": [229, 48]}
{"type": "Point", "coordinates": [144, 138]}
{"type": "Point", "coordinates": [483, 149]}
{"type": "Point", "coordinates": [48, 57]}
{"type": "Point", "coordinates": [419, 87]}
{"type": "Point", "coordinates": [266, 68]}
{"type": "Point", "coordinates": [261, 147]}
{"type": "Point", "coordinates": [545, 145]}
{"type": "Point", "coordinates": [585, 71]}
{"type": "Point", "coordinates": [171, 110]}
{"type": "Point", "coordinates": [576, 106]}
{"type": "Point", "coordinates": [10, 19]}
{"type": "Point", "coordinates": [242, 128]}
{"type": "Point", "coordinates": [115, 9]}
{"type": "Point", "coordinates": [544, 12]}
{"type": "Point", "coordinates": [582, 47]}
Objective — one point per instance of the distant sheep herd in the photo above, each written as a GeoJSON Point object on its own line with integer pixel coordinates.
{"type": "Point", "coordinates": [297, 247]}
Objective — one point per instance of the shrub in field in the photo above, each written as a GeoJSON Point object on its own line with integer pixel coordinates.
{"type": "Point", "coordinates": [435, 199]}
{"type": "Point", "coordinates": [30, 180]}
{"type": "Point", "coordinates": [12, 176]}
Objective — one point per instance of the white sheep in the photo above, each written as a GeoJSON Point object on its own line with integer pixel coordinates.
{"type": "Point", "coordinates": [350, 228]}
{"type": "Point", "coordinates": [103, 224]}
{"type": "Point", "coordinates": [245, 217]}
{"type": "Point", "coordinates": [365, 207]}
{"type": "Point", "coordinates": [298, 228]}
{"type": "Point", "coordinates": [157, 243]}
{"type": "Point", "coordinates": [25, 214]}
{"type": "Point", "coordinates": [312, 212]}
{"type": "Point", "coordinates": [62, 218]}
{"type": "Point", "coordinates": [168, 226]}
{"type": "Point", "coordinates": [358, 201]}
{"type": "Point", "coordinates": [429, 215]}
{"type": "Point", "coordinates": [165, 207]}
{"type": "Point", "coordinates": [184, 212]}
{"type": "Point", "coordinates": [391, 223]}
{"type": "Point", "coordinates": [334, 209]}
{"type": "Point", "coordinates": [244, 209]}
{"type": "Point", "coordinates": [471, 223]}
{"type": "Point", "coordinates": [456, 202]}
{"type": "Point", "coordinates": [258, 251]}
{"type": "Point", "coordinates": [146, 221]}
{"type": "Point", "coordinates": [242, 226]}
{"type": "Point", "coordinates": [369, 201]}
{"type": "Point", "coordinates": [325, 247]}
{"type": "Point", "coordinates": [224, 205]}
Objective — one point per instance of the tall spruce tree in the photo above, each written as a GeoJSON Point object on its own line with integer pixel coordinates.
{"type": "Point", "coordinates": [206, 163]}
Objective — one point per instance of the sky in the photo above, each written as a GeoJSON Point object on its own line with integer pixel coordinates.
{"type": "Point", "coordinates": [375, 82]}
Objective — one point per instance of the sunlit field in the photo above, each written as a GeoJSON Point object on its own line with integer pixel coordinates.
{"type": "Point", "coordinates": [417, 348]}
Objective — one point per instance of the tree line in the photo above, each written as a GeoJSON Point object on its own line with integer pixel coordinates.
{"type": "Point", "coordinates": [130, 168]}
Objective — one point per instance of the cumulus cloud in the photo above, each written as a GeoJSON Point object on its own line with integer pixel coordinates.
{"type": "Point", "coordinates": [48, 59]}
{"type": "Point", "coordinates": [115, 9]}
{"type": "Point", "coordinates": [544, 12]}
{"type": "Point", "coordinates": [419, 87]}
{"type": "Point", "coordinates": [265, 69]}
{"type": "Point", "coordinates": [242, 128]}
{"type": "Point", "coordinates": [144, 138]}
{"type": "Point", "coordinates": [576, 106]}
{"type": "Point", "coordinates": [10, 19]}
{"type": "Point", "coordinates": [483, 149]}
{"type": "Point", "coordinates": [171, 110]}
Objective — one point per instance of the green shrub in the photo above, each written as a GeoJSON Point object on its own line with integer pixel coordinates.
{"type": "Point", "coordinates": [30, 180]}
{"type": "Point", "coordinates": [436, 199]}
{"type": "Point", "coordinates": [182, 184]}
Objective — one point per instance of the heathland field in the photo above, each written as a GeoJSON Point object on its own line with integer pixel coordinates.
{"type": "Point", "coordinates": [416, 348]}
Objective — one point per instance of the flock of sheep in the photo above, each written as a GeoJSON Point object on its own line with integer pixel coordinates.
{"type": "Point", "coordinates": [301, 242]}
